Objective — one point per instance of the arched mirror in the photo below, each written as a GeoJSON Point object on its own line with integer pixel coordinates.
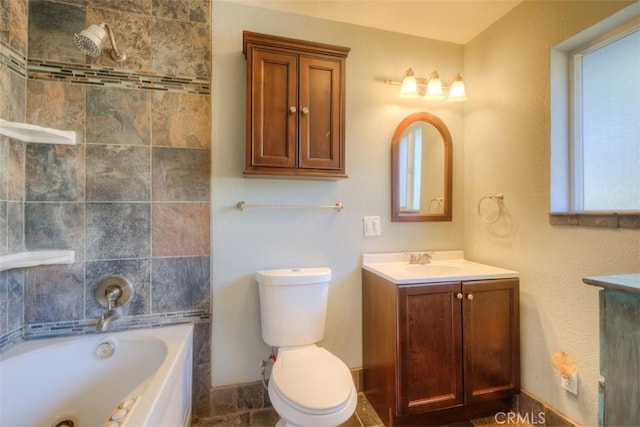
{"type": "Point", "coordinates": [421, 170]}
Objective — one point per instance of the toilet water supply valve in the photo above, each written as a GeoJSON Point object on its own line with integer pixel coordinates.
{"type": "Point", "coordinates": [263, 368]}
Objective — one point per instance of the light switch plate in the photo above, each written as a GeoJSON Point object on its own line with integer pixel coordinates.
{"type": "Point", "coordinates": [371, 226]}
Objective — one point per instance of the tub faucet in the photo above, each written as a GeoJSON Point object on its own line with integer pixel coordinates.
{"type": "Point", "coordinates": [112, 293]}
{"type": "Point", "coordinates": [105, 320]}
{"type": "Point", "coordinates": [420, 258]}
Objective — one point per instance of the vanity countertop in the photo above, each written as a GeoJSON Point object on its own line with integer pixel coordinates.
{"type": "Point", "coordinates": [618, 282]}
{"type": "Point", "coordinates": [445, 266]}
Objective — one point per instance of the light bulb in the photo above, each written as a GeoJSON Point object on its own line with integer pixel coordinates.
{"type": "Point", "coordinates": [434, 87]}
{"type": "Point", "coordinates": [457, 92]}
{"type": "Point", "coordinates": [409, 83]}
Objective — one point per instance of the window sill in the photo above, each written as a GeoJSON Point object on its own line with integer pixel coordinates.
{"type": "Point", "coordinates": [625, 219]}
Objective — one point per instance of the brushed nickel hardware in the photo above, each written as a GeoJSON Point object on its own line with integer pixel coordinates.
{"type": "Point", "coordinates": [241, 206]}
{"type": "Point", "coordinates": [112, 292]}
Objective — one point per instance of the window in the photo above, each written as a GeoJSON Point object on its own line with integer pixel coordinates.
{"type": "Point", "coordinates": [606, 125]}
{"type": "Point", "coordinates": [595, 119]}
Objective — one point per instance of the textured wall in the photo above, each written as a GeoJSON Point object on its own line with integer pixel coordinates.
{"type": "Point", "coordinates": [507, 151]}
{"type": "Point", "coordinates": [133, 197]}
{"type": "Point", "coordinates": [278, 238]}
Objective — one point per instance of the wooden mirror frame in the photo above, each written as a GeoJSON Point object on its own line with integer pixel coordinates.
{"type": "Point", "coordinates": [396, 214]}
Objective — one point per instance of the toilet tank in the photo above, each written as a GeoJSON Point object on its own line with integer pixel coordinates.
{"type": "Point", "coordinates": [293, 305]}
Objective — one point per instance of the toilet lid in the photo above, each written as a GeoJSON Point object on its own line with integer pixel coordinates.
{"type": "Point", "coordinates": [312, 380]}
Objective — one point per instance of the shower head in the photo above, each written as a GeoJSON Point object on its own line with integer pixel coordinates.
{"type": "Point", "coordinates": [91, 40]}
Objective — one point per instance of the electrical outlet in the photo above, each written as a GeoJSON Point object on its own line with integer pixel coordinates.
{"type": "Point", "coordinates": [570, 383]}
{"type": "Point", "coordinates": [371, 225]}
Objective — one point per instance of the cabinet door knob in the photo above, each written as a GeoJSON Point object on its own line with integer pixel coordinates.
{"type": "Point", "coordinates": [292, 109]}
{"type": "Point", "coordinates": [305, 110]}
{"type": "Point", "coordinates": [470, 297]}
{"type": "Point", "coordinates": [459, 295]}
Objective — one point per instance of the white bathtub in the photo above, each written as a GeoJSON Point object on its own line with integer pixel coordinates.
{"type": "Point", "coordinates": [44, 382]}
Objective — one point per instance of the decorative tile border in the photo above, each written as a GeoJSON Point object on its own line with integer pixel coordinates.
{"type": "Point", "coordinates": [86, 326]}
{"type": "Point", "coordinates": [13, 60]}
{"type": "Point", "coordinates": [99, 76]}
{"type": "Point", "coordinates": [111, 77]}
{"type": "Point", "coordinates": [10, 339]}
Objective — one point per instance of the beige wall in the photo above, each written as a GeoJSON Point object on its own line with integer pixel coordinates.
{"type": "Point", "coordinates": [244, 242]}
{"type": "Point", "coordinates": [506, 127]}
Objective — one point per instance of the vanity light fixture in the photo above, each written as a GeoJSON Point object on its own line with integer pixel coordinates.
{"type": "Point", "coordinates": [409, 85]}
{"type": "Point", "coordinates": [431, 87]}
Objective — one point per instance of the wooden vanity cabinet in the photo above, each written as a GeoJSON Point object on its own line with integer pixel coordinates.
{"type": "Point", "coordinates": [295, 107]}
{"type": "Point", "coordinates": [440, 353]}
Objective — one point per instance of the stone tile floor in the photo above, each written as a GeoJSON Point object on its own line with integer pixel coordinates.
{"type": "Point", "coordinates": [364, 416]}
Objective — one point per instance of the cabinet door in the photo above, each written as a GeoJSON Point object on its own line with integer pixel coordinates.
{"type": "Point", "coordinates": [274, 109]}
{"type": "Point", "coordinates": [320, 113]}
{"type": "Point", "coordinates": [430, 346]}
{"type": "Point", "coordinates": [491, 339]}
{"type": "Point", "coordinates": [619, 357]}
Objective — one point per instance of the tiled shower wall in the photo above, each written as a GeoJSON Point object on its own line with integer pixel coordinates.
{"type": "Point", "coordinates": [133, 197]}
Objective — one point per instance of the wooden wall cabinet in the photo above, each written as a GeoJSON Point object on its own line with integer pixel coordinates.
{"type": "Point", "coordinates": [295, 107]}
{"type": "Point", "coordinates": [440, 353]}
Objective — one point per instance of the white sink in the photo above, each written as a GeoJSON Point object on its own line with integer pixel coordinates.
{"type": "Point", "coordinates": [433, 269]}
{"type": "Point", "coordinates": [445, 266]}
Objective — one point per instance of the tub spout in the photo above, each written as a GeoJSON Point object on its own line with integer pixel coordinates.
{"type": "Point", "coordinates": [105, 320]}
{"type": "Point", "coordinates": [112, 294]}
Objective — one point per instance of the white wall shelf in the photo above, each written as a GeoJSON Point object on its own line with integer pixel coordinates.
{"type": "Point", "coordinates": [33, 133]}
{"type": "Point", "coordinates": [35, 258]}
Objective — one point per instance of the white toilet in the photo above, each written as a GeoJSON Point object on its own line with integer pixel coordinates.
{"type": "Point", "coordinates": [309, 386]}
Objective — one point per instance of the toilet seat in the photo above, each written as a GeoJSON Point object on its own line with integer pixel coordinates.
{"type": "Point", "coordinates": [312, 380]}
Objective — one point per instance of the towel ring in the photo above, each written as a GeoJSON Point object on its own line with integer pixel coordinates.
{"type": "Point", "coordinates": [499, 199]}
{"type": "Point", "coordinates": [438, 201]}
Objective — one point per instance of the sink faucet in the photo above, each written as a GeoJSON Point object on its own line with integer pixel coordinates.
{"type": "Point", "coordinates": [112, 293]}
{"type": "Point", "coordinates": [420, 258]}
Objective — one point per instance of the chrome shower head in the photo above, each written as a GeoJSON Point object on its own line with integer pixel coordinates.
{"type": "Point", "coordinates": [91, 40]}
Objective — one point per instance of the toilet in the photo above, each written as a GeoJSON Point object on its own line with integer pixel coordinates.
{"type": "Point", "coordinates": [309, 386]}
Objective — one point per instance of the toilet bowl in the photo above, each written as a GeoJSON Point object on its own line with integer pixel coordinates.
{"type": "Point", "coordinates": [309, 386]}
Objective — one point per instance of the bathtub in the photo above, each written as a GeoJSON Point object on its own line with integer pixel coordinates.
{"type": "Point", "coordinates": [133, 378]}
